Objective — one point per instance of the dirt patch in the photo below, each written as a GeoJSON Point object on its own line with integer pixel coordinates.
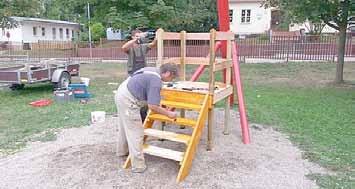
{"type": "Point", "coordinates": [86, 158]}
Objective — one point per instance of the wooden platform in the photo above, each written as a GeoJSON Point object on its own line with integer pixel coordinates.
{"type": "Point", "coordinates": [194, 89]}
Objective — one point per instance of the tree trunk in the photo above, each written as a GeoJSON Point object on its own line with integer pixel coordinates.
{"type": "Point", "coordinates": [341, 53]}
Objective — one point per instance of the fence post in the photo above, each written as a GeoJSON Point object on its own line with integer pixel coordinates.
{"type": "Point", "coordinates": [288, 52]}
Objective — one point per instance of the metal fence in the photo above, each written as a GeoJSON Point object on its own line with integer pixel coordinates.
{"type": "Point", "coordinates": [322, 48]}
{"type": "Point", "coordinates": [294, 47]}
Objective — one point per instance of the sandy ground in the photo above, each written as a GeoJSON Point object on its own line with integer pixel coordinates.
{"type": "Point", "coordinates": [86, 158]}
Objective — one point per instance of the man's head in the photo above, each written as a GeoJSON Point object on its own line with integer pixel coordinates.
{"type": "Point", "coordinates": [169, 71]}
{"type": "Point", "coordinates": [136, 34]}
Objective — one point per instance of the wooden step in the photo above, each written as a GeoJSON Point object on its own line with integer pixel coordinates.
{"type": "Point", "coordinates": [163, 152]}
{"type": "Point", "coordinates": [168, 135]}
{"type": "Point", "coordinates": [179, 120]}
{"type": "Point", "coordinates": [181, 105]}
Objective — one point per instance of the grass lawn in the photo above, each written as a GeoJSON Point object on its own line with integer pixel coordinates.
{"type": "Point", "coordinates": [300, 100]}
{"type": "Point", "coordinates": [296, 98]}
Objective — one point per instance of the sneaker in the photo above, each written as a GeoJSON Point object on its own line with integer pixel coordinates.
{"type": "Point", "coordinates": [139, 170]}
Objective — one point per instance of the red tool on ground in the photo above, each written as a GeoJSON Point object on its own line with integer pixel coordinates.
{"type": "Point", "coordinates": [41, 103]}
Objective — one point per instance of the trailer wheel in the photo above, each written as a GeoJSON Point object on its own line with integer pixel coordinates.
{"type": "Point", "coordinates": [63, 82]}
{"type": "Point", "coordinates": [17, 86]}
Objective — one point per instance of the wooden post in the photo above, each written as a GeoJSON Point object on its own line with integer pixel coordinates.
{"type": "Point", "coordinates": [182, 55]}
{"type": "Point", "coordinates": [160, 44]}
{"type": "Point", "coordinates": [160, 48]}
{"type": "Point", "coordinates": [228, 80]}
{"type": "Point", "coordinates": [211, 88]}
{"type": "Point", "coordinates": [182, 65]}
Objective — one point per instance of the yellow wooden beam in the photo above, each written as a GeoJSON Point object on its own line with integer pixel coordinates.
{"type": "Point", "coordinates": [192, 147]}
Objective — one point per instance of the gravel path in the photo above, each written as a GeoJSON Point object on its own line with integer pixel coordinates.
{"type": "Point", "coordinates": [86, 158]}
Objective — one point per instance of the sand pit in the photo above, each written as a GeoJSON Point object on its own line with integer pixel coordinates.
{"type": "Point", "coordinates": [86, 158]}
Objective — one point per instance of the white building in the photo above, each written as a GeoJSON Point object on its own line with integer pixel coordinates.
{"type": "Point", "coordinates": [30, 30]}
{"type": "Point", "coordinates": [307, 27]}
{"type": "Point", "coordinates": [248, 17]}
{"type": "Point", "coordinates": [113, 34]}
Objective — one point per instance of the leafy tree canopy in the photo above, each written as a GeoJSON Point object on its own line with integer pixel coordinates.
{"type": "Point", "coordinates": [31, 8]}
{"type": "Point", "coordinates": [175, 15]}
{"type": "Point", "coordinates": [335, 13]}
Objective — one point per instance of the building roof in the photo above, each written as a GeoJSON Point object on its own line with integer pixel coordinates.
{"type": "Point", "coordinates": [23, 19]}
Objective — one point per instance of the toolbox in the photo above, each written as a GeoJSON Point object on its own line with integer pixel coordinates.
{"type": "Point", "coordinates": [79, 90]}
{"type": "Point", "coordinates": [63, 95]}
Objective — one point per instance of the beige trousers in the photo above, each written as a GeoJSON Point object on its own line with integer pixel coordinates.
{"type": "Point", "coordinates": [131, 131]}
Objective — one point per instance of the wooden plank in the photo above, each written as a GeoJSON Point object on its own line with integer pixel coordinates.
{"type": "Point", "coordinates": [195, 139]}
{"type": "Point", "coordinates": [226, 125]}
{"type": "Point", "coordinates": [197, 36]}
{"type": "Point", "coordinates": [171, 36]}
{"type": "Point", "coordinates": [212, 59]}
{"type": "Point", "coordinates": [211, 86]}
{"type": "Point", "coordinates": [197, 61]}
{"type": "Point", "coordinates": [220, 95]}
{"type": "Point", "coordinates": [175, 60]}
{"type": "Point", "coordinates": [188, 60]}
{"type": "Point", "coordinates": [210, 125]}
{"type": "Point", "coordinates": [179, 120]}
{"type": "Point", "coordinates": [182, 96]}
{"type": "Point", "coordinates": [180, 105]}
{"type": "Point", "coordinates": [223, 65]}
{"type": "Point", "coordinates": [193, 60]}
{"type": "Point", "coordinates": [163, 152]}
{"type": "Point", "coordinates": [168, 135]}
{"type": "Point", "coordinates": [160, 47]}
{"type": "Point", "coordinates": [127, 163]}
{"type": "Point", "coordinates": [227, 100]}
{"type": "Point", "coordinates": [182, 55]}
{"type": "Point", "coordinates": [224, 36]}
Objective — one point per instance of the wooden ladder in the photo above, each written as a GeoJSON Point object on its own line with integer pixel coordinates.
{"type": "Point", "coordinates": [184, 101]}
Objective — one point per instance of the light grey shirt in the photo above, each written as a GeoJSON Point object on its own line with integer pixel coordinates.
{"type": "Point", "coordinates": [146, 86]}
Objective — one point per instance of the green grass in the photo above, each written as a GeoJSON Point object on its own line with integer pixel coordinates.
{"type": "Point", "coordinates": [299, 99]}
{"type": "Point", "coordinates": [19, 121]}
{"type": "Point", "coordinates": [318, 116]}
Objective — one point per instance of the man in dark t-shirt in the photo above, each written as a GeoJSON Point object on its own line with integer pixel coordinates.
{"type": "Point", "coordinates": [137, 50]}
{"type": "Point", "coordinates": [141, 88]}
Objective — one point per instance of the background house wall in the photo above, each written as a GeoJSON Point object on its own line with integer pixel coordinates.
{"type": "Point", "coordinates": [260, 17]}
{"type": "Point", "coordinates": [15, 34]}
{"type": "Point", "coordinates": [305, 26]}
{"type": "Point", "coordinates": [29, 37]}
{"type": "Point", "coordinates": [24, 32]}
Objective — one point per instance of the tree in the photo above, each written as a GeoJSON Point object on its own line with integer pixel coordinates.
{"type": "Point", "coordinates": [173, 15]}
{"type": "Point", "coordinates": [10, 8]}
{"type": "Point", "coordinates": [68, 10]}
{"type": "Point", "coordinates": [334, 13]}
{"type": "Point", "coordinates": [98, 31]}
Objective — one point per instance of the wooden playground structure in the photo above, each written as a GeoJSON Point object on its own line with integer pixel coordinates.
{"type": "Point", "coordinates": [196, 96]}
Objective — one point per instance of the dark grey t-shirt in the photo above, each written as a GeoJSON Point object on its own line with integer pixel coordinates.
{"type": "Point", "coordinates": [146, 86]}
{"type": "Point", "coordinates": [137, 54]}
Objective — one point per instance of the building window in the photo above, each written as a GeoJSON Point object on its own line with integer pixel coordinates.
{"type": "Point", "coordinates": [72, 34]}
{"type": "Point", "coordinates": [246, 16]}
{"type": "Point", "coordinates": [43, 31]}
{"type": "Point", "coordinates": [34, 31]}
{"type": "Point", "coordinates": [61, 33]}
{"type": "Point", "coordinates": [54, 33]}
{"type": "Point", "coordinates": [231, 15]}
{"type": "Point", "coordinates": [67, 33]}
